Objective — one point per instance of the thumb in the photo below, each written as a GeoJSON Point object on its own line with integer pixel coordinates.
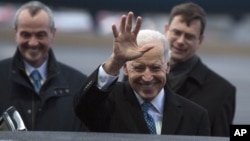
{"type": "Point", "coordinates": [146, 48]}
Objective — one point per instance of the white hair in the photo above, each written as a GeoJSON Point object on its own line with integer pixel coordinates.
{"type": "Point", "coordinates": [148, 35]}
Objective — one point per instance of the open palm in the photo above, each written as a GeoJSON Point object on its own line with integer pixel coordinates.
{"type": "Point", "coordinates": [125, 46]}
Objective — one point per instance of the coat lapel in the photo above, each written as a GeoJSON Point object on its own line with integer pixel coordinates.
{"type": "Point", "coordinates": [195, 79]}
{"type": "Point", "coordinates": [135, 110]}
{"type": "Point", "coordinates": [172, 113]}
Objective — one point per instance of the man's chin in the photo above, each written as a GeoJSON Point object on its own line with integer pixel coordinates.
{"type": "Point", "coordinates": [148, 94]}
{"type": "Point", "coordinates": [148, 97]}
{"type": "Point", "coordinates": [177, 58]}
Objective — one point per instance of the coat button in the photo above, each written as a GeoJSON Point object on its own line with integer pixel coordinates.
{"type": "Point", "coordinates": [66, 90]}
{"type": "Point", "coordinates": [29, 111]}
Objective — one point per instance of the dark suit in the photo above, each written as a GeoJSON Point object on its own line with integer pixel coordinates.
{"type": "Point", "coordinates": [214, 93]}
{"type": "Point", "coordinates": [118, 110]}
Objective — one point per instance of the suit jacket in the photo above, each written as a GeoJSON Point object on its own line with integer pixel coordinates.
{"type": "Point", "coordinates": [52, 108]}
{"type": "Point", "coordinates": [118, 110]}
{"type": "Point", "coordinates": [214, 93]}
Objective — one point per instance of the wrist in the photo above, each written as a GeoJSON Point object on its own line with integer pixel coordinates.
{"type": "Point", "coordinates": [113, 65]}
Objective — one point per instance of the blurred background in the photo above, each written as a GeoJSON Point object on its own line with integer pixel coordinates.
{"type": "Point", "coordinates": [84, 38]}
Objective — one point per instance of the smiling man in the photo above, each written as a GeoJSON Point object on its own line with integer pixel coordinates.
{"type": "Point", "coordinates": [189, 76]}
{"type": "Point", "coordinates": [33, 81]}
{"type": "Point", "coordinates": [143, 104]}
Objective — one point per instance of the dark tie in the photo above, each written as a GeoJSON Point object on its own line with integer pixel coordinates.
{"type": "Point", "coordinates": [148, 118]}
{"type": "Point", "coordinates": [36, 77]}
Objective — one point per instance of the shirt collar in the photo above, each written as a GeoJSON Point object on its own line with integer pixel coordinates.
{"type": "Point", "coordinates": [157, 102]}
{"type": "Point", "coordinates": [41, 69]}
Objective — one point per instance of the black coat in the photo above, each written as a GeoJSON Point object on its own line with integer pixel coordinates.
{"type": "Point", "coordinates": [52, 109]}
{"type": "Point", "coordinates": [214, 93]}
{"type": "Point", "coordinates": [118, 110]}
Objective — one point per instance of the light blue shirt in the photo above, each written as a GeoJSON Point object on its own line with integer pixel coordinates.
{"type": "Point", "coordinates": [42, 70]}
{"type": "Point", "coordinates": [156, 111]}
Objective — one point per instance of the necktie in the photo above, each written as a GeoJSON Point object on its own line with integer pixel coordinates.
{"type": "Point", "coordinates": [148, 118]}
{"type": "Point", "coordinates": [36, 77]}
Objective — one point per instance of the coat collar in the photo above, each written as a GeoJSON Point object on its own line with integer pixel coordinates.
{"type": "Point", "coordinates": [173, 111]}
{"type": "Point", "coordinates": [60, 86]}
{"type": "Point", "coordinates": [198, 73]}
{"type": "Point", "coordinates": [18, 64]}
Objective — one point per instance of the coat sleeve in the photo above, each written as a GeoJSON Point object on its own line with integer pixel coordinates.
{"type": "Point", "coordinates": [90, 105]}
{"type": "Point", "coordinates": [225, 116]}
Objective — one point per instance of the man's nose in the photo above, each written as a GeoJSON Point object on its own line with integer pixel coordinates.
{"type": "Point", "coordinates": [33, 41]}
{"type": "Point", "coordinates": [147, 75]}
{"type": "Point", "coordinates": [181, 39]}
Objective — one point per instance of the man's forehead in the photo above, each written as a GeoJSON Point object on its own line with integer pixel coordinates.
{"type": "Point", "coordinates": [27, 13]}
{"type": "Point", "coordinates": [145, 62]}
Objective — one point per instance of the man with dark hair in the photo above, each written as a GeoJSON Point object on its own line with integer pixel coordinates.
{"type": "Point", "coordinates": [189, 77]}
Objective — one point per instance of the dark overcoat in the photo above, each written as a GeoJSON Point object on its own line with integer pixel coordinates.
{"type": "Point", "coordinates": [214, 93]}
{"type": "Point", "coordinates": [119, 111]}
{"type": "Point", "coordinates": [52, 108]}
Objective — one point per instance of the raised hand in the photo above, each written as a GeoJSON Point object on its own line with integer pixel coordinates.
{"type": "Point", "coordinates": [125, 47]}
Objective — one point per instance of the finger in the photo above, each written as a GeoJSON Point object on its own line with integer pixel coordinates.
{"type": "Point", "coordinates": [115, 32]}
{"type": "Point", "coordinates": [129, 22]}
{"type": "Point", "coordinates": [123, 23]}
{"type": "Point", "coordinates": [146, 48]}
{"type": "Point", "coordinates": [137, 25]}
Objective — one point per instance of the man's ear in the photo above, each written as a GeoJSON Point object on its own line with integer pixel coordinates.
{"type": "Point", "coordinates": [166, 27]}
{"type": "Point", "coordinates": [125, 69]}
{"type": "Point", "coordinates": [53, 31]}
{"type": "Point", "coordinates": [168, 67]}
{"type": "Point", "coordinates": [201, 39]}
{"type": "Point", "coordinates": [15, 32]}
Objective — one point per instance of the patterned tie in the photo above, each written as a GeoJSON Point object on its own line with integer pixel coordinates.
{"type": "Point", "coordinates": [36, 77]}
{"type": "Point", "coordinates": [148, 118]}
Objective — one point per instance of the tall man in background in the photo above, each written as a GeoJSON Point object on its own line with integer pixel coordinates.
{"type": "Point", "coordinates": [189, 76]}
